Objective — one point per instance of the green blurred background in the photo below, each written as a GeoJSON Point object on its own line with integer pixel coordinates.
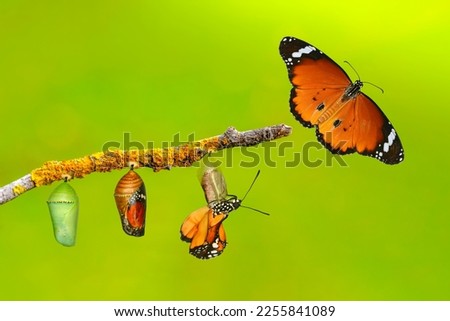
{"type": "Point", "coordinates": [74, 75]}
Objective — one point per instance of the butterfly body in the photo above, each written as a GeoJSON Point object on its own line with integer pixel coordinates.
{"type": "Point", "coordinates": [323, 96]}
{"type": "Point", "coordinates": [225, 206]}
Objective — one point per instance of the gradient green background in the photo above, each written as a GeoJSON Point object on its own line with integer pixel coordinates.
{"type": "Point", "coordinates": [74, 75]}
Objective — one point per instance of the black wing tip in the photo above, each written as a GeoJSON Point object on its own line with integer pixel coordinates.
{"type": "Point", "coordinates": [390, 151]}
{"type": "Point", "coordinates": [288, 39]}
{"type": "Point", "coordinates": [292, 50]}
{"type": "Point", "coordinates": [287, 44]}
{"type": "Point", "coordinates": [206, 251]}
{"type": "Point", "coordinates": [204, 256]}
{"type": "Point", "coordinates": [184, 238]}
{"type": "Point", "coordinates": [394, 155]}
{"type": "Point", "coordinates": [388, 161]}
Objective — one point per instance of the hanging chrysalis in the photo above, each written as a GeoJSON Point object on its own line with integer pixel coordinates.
{"type": "Point", "coordinates": [213, 184]}
{"type": "Point", "coordinates": [63, 206]}
{"type": "Point", "coordinates": [131, 202]}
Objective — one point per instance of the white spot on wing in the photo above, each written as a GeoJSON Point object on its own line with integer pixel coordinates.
{"type": "Point", "coordinates": [301, 51]}
{"type": "Point", "coordinates": [391, 137]}
{"type": "Point", "coordinates": [390, 141]}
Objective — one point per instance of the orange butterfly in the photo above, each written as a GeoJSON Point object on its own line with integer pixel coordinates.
{"type": "Point", "coordinates": [323, 95]}
{"type": "Point", "coordinates": [203, 228]}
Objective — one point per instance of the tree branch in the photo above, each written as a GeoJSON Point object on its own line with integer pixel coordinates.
{"type": "Point", "coordinates": [180, 156]}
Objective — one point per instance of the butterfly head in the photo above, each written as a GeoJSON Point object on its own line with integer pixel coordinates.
{"type": "Point", "coordinates": [234, 202]}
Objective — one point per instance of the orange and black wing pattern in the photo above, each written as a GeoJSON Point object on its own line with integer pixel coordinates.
{"type": "Point", "coordinates": [323, 96]}
{"type": "Point", "coordinates": [131, 201]}
{"type": "Point", "coordinates": [361, 126]}
{"type": "Point", "coordinates": [205, 232]}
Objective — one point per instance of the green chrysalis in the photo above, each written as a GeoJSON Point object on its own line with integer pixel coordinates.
{"type": "Point", "coordinates": [63, 206]}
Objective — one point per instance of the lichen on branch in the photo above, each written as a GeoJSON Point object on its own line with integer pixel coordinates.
{"type": "Point", "coordinates": [156, 158]}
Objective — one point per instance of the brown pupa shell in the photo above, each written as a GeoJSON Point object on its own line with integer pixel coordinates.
{"type": "Point", "coordinates": [213, 184]}
{"type": "Point", "coordinates": [131, 201]}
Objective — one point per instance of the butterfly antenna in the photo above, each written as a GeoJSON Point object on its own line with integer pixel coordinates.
{"type": "Point", "coordinates": [251, 208]}
{"type": "Point", "coordinates": [359, 78]}
{"type": "Point", "coordinates": [364, 82]}
{"type": "Point", "coordinates": [381, 89]}
{"type": "Point", "coordinates": [254, 180]}
{"type": "Point", "coordinates": [254, 209]}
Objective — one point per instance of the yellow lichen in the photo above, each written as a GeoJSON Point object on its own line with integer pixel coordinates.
{"type": "Point", "coordinates": [97, 155]}
{"type": "Point", "coordinates": [157, 158]}
{"type": "Point", "coordinates": [19, 189]}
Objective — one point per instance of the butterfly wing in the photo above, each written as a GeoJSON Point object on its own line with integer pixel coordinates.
{"type": "Point", "coordinates": [345, 124]}
{"type": "Point", "coordinates": [361, 126]}
{"type": "Point", "coordinates": [192, 224]}
{"type": "Point", "coordinates": [205, 232]}
{"type": "Point", "coordinates": [213, 245]}
{"type": "Point", "coordinates": [317, 80]}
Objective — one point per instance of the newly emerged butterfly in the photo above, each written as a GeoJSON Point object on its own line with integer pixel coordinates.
{"type": "Point", "coordinates": [63, 205]}
{"type": "Point", "coordinates": [131, 201]}
{"type": "Point", "coordinates": [323, 96]}
{"type": "Point", "coordinates": [203, 228]}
